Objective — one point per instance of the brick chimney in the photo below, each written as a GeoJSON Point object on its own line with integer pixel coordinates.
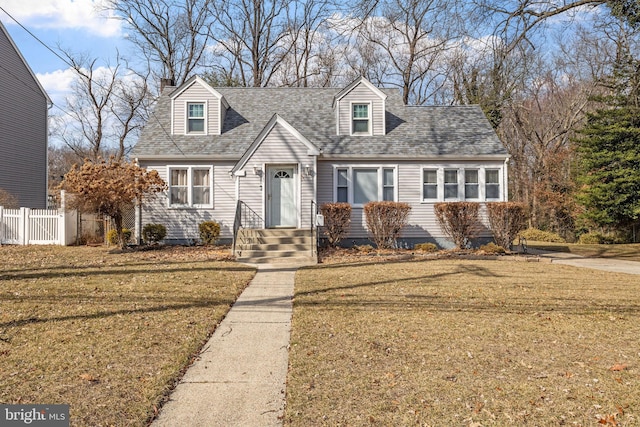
{"type": "Point", "coordinates": [166, 82]}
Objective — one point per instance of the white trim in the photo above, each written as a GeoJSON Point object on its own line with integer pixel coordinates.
{"type": "Point", "coordinates": [350, 182]}
{"type": "Point", "coordinates": [297, 196]}
{"type": "Point", "coordinates": [347, 89]}
{"type": "Point", "coordinates": [312, 150]}
{"type": "Point", "coordinates": [440, 170]}
{"type": "Point", "coordinates": [369, 105]}
{"type": "Point", "coordinates": [189, 186]}
{"type": "Point", "coordinates": [205, 107]}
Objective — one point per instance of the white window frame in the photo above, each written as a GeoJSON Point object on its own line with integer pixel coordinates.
{"type": "Point", "coordinates": [477, 183]}
{"type": "Point", "coordinates": [499, 183]}
{"type": "Point", "coordinates": [461, 174]}
{"type": "Point", "coordinates": [204, 118]}
{"type": "Point", "coordinates": [444, 184]}
{"type": "Point", "coordinates": [350, 182]}
{"type": "Point", "coordinates": [438, 185]}
{"type": "Point", "coordinates": [190, 169]}
{"type": "Point", "coordinates": [352, 119]}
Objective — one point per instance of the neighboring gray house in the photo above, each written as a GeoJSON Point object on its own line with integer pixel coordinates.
{"type": "Point", "coordinates": [24, 109]}
{"type": "Point", "coordinates": [278, 152]}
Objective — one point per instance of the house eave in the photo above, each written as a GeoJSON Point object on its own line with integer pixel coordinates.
{"type": "Point", "coordinates": [387, 157]}
{"type": "Point", "coordinates": [179, 157]}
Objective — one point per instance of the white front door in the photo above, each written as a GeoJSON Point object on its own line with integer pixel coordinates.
{"type": "Point", "coordinates": [281, 197]}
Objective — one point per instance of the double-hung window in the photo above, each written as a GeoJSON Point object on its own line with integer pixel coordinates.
{"type": "Point", "coordinates": [360, 119]}
{"type": "Point", "coordinates": [342, 185]}
{"type": "Point", "coordinates": [450, 184]}
{"type": "Point", "coordinates": [190, 186]}
{"type": "Point", "coordinates": [492, 183]}
{"type": "Point", "coordinates": [361, 185]}
{"type": "Point", "coordinates": [430, 184]}
{"type": "Point", "coordinates": [195, 117]}
{"type": "Point", "coordinates": [471, 184]}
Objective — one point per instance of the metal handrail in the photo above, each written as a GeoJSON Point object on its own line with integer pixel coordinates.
{"type": "Point", "coordinates": [314, 242]}
{"type": "Point", "coordinates": [245, 217]}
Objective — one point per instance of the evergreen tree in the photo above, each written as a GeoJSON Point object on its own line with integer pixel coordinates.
{"type": "Point", "coordinates": [609, 149]}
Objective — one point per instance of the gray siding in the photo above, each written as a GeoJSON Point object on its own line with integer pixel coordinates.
{"type": "Point", "coordinates": [361, 93]}
{"type": "Point", "coordinates": [196, 93]}
{"type": "Point", "coordinates": [422, 221]}
{"type": "Point", "coordinates": [23, 130]}
{"type": "Point", "coordinates": [182, 223]}
{"type": "Point", "coordinates": [278, 148]}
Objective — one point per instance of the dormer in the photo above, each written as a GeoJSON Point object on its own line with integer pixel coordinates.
{"type": "Point", "coordinates": [360, 109]}
{"type": "Point", "coordinates": [197, 109]}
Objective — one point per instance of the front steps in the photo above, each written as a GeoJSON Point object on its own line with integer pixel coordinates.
{"type": "Point", "coordinates": [279, 245]}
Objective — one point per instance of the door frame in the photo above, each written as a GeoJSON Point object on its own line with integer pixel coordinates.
{"type": "Point", "coordinates": [269, 169]}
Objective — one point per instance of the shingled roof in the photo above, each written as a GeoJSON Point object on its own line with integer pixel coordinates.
{"type": "Point", "coordinates": [416, 131]}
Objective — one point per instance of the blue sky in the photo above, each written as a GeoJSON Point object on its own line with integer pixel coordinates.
{"type": "Point", "coordinates": [75, 25]}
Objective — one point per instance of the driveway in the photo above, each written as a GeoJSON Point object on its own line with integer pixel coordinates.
{"type": "Point", "coordinates": [604, 264]}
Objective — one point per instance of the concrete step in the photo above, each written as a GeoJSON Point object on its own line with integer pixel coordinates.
{"type": "Point", "coordinates": [275, 245]}
{"type": "Point", "coordinates": [299, 247]}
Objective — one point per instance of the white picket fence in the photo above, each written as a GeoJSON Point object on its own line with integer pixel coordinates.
{"type": "Point", "coordinates": [26, 226]}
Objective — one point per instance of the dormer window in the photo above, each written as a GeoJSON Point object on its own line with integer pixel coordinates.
{"type": "Point", "coordinates": [361, 119]}
{"type": "Point", "coordinates": [195, 117]}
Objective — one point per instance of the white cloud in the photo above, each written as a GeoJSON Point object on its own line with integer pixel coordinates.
{"type": "Point", "coordinates": [65, 14]}
{"type": "Point", "coordinates": [57, 84]}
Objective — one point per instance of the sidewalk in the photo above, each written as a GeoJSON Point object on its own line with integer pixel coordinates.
{"type": "Point", "coordinates": [239, 378]}
{"type": "Point", "coordinates": [604, 264]}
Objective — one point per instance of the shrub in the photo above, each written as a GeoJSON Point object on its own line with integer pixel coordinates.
{"type": "Point", "coordinates": [385, 220]}
{"type": "Point", "coordinates": [506, 220]}
{"type": "Point", "coordinates": [153, 233]}
{"type": "Point", "coordinates": [112, 236]}
{"type": "Point", "coordinates": [364, 248]}
{"type": "Point", "coordinates": [536, 235]}
{"type": "Point", "coordinates": [209, 232]}
{"type": "Point", "coordinates": [8, 200]}
{"type": "Point", "coordinates": [426, 247]}
{"type": "Point", "coordinates": [458, 220]}
{"type": "Point", "coordinates": [337, 219]}
{"type": "Point", "coordinates": [598, 239]}
{"type": "Point", "coordinates": [492, 248]}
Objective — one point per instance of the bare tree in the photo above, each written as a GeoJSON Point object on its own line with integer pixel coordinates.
{"type": "Point", "coordinates": [105, 111]}
{"type": "Point", "coordinates": [250, 35]}
{"type": "Point", "coordinates": [172, 35]}
{"type": "Point", "coordinates": [413, 35]}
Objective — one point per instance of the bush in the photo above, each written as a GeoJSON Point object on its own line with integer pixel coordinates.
{"type": "Point", "coordinates": [363, 248]}
{"type": "Point", "coordinates": [506, 220]}
{"type": "Point", "coordinates": [492, 248]}
{"type": "Point", "coordinates": [112, 236]}
{"type": "Point", "coordinates": [536, 235]}
{"type": "Point", "coordinates": [598, 239]}
{"type": "Point", "coordinates": [153, 233]}
{"type": "Point", "coordinates": [458, 220]}
{"type": "Point", "coordinates": [8, 200]}
{"type": "Point", "coordinates": [209, 232]}
{"type": "Point", "coordinates": [385, 220]}
{"type": "Point", "coordinates": [426, 247]}
{"type": "Point", "coordinates": [337, 219]}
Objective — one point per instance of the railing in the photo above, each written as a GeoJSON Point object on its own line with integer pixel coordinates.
{"type": "Point", "coordinates": [314, 228]}
{"type": "Point", "coordinates": [245, 217]}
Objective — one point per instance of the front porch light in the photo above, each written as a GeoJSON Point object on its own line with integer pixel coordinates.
{"type": "Point", "coordinates": [307, 170]}
{"type": "Point", "coordinates": [256, 169]}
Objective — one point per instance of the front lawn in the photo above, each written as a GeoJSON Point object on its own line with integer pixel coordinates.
{"type": "Point", "coordinates": [465, 343]}
{"type": "Point", "coordinates": [106, 333]}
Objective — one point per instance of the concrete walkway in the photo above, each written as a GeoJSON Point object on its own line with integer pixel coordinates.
{"type": "Point", "coordinates": [239, 378]}
{"type": "Point", "coordinates": [604, 264]}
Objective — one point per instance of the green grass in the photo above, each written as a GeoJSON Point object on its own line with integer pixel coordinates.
{"type": "Point", "coordinates": [629, 252]}
{"type": "Point", "coordinates": [452, 342]}
{"type": "Point", "coordinates": [107, 333]}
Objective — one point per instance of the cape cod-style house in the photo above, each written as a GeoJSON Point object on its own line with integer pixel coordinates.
{"type": "Point", "coordinates": [261, 160]}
